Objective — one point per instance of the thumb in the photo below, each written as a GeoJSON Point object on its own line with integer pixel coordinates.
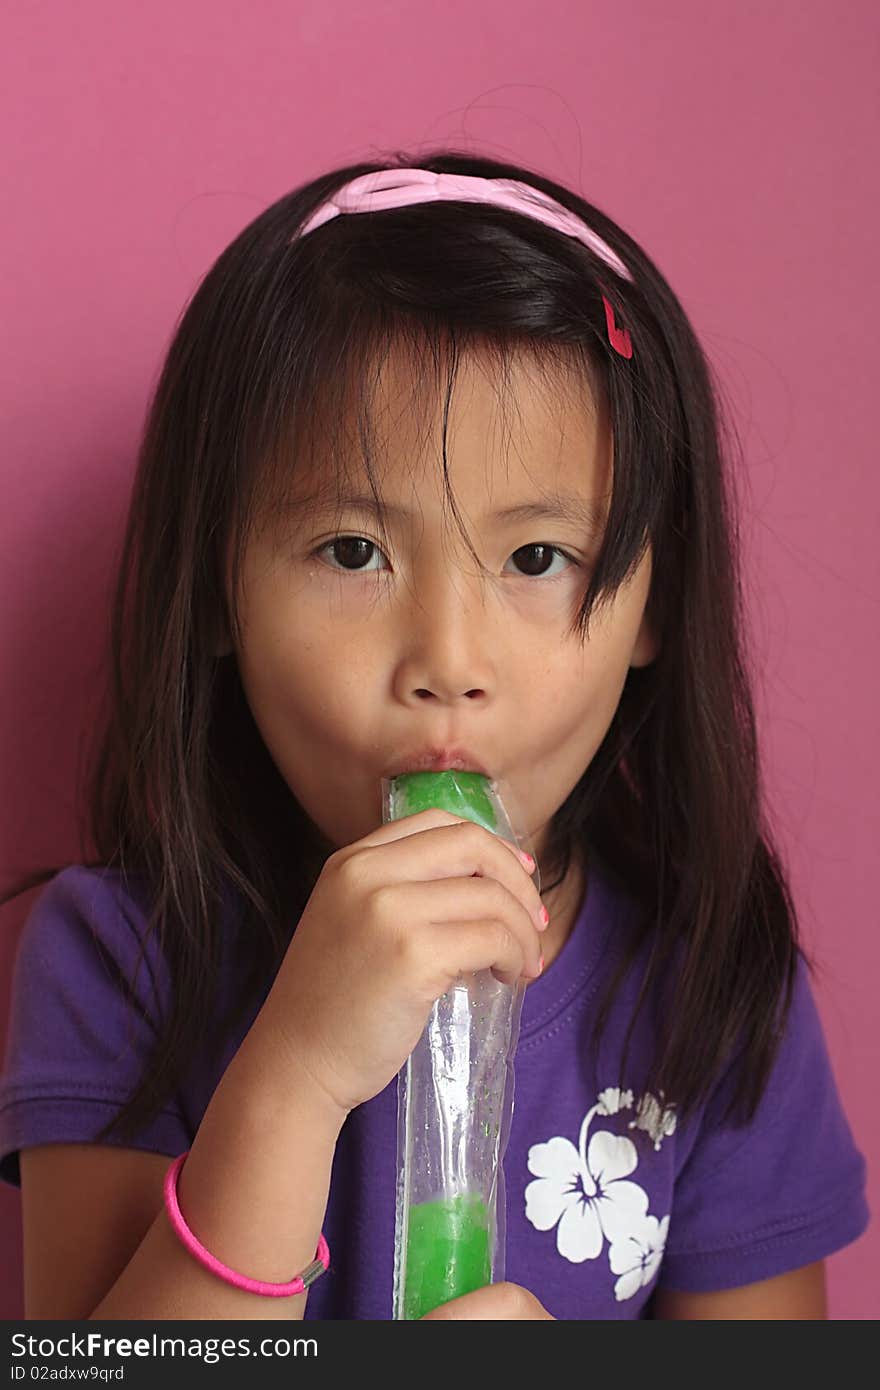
{"type": "Point", "coordinates": [493, 1301]}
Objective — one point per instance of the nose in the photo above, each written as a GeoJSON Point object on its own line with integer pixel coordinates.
{"type": "Point", "coordinates": [446, 647]}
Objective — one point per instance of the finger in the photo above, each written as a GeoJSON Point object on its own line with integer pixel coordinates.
{"type": "Point", "coordinates": [421, 820]}
{"type": "Point", "coordinates": [493, 1301]}
{"type": "Point", "coordinates": [464, 904]}
{"type": "Point", "coordinates": [462, 850]}
{"type": "Point", "coordinates": [437, 955]}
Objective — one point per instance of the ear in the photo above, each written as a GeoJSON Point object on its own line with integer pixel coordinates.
{"type": "Point", "coordinates": [647, 645]}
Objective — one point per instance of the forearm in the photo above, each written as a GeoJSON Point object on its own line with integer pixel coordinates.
{"type": "Point", "coordinates": [254, 1191]}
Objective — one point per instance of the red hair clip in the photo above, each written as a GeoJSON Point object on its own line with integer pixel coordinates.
{"type": "Point", "coordinates": [617, 337]}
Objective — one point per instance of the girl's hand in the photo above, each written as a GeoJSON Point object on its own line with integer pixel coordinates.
{"type": "Point", "coordinates": [493, 1301]}
{"type": "Point", "coordinates": [393, 920]}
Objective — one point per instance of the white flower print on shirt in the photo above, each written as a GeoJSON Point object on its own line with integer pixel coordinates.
{"type": "Point", "coordinates": [609, 1101]}
{"type": "Point", "coordinates": [637, 1258]}
{"type": "Point", "coordinates": [585, 1190]}
{"type": "Point", "coordinates": [653, 1119]}
{"type": "Point", "coordinates": [589, 1198]}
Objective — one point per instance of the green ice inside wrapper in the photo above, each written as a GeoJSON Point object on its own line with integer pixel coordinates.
{"type": "Point", "coordinates": [447, 1252]}
{"type": "Point", "coordinates": [461, 793]}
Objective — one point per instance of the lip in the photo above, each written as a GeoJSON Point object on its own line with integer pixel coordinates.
{"type": "Point", "coordinates": [437, 760]}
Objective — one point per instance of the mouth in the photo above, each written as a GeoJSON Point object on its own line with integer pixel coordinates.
{"type": "Point", "coordinates": [438, 760]}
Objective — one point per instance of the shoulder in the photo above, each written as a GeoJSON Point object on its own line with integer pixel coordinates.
{"type": "Point", "coordinates": [784, 1189]}
{"type": "Point", "coordinates": [801, 1078]}
{"type": "Point", "coordinates": [96, 962]}
{"type": "Point", "coordinates": [86, 937]}
{"type": "Point", "coordinates": [799, 1106]}
{"type": "Point", "coordinates": [99, 897]}
{"type": "Point", "coordinates": [92, 889]}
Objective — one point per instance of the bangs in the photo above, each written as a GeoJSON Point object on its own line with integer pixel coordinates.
{"type": "Point", "coordinates": [332, 434]}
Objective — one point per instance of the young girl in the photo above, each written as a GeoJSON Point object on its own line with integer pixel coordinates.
{"type": "Point", "coordinates": [234, 976]}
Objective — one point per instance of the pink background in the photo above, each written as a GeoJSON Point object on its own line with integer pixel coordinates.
{"type": "Point", "coordinates": [732, 139]}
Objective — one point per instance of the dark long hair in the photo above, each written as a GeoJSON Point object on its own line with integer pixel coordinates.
{"type": "Point", "coordinates": [278, 339]}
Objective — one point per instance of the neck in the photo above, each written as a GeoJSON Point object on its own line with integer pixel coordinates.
{"type": "Point", "coordinates": [563, 904]}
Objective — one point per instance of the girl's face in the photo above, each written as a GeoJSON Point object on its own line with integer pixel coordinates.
{"type": "Point", "coordinates": [354, 655]}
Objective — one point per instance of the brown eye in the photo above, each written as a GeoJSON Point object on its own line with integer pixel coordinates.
{"type": "Point", "coordinates": [536, 559]}
{"type": "Point", "coordinates": [352, 552]}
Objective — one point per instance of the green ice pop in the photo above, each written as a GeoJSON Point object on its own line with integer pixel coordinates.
{"type": "Point", "coordinates": [447, 1252]}
{"type": "Point", "coordinates": [461, 793]}
{"type": "Point", "coordinates": [447, 1245]}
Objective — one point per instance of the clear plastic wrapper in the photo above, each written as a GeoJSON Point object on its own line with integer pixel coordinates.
{"type": "Point", "coordinates": [454, 1095]}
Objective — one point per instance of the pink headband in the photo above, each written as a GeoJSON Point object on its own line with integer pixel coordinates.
{"type": "Point", "coordinates": [397, 188]}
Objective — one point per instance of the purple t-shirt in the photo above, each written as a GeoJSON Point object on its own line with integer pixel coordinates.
{"type": "Point", "coordinates": [594, 1222]}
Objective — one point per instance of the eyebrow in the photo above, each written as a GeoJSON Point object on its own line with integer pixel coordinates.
{"type": "Point", "coordinates": [566, 507]}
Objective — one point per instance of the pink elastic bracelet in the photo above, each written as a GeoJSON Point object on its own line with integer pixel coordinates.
{"type": "Point", "coordinates": [319, 1265]}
